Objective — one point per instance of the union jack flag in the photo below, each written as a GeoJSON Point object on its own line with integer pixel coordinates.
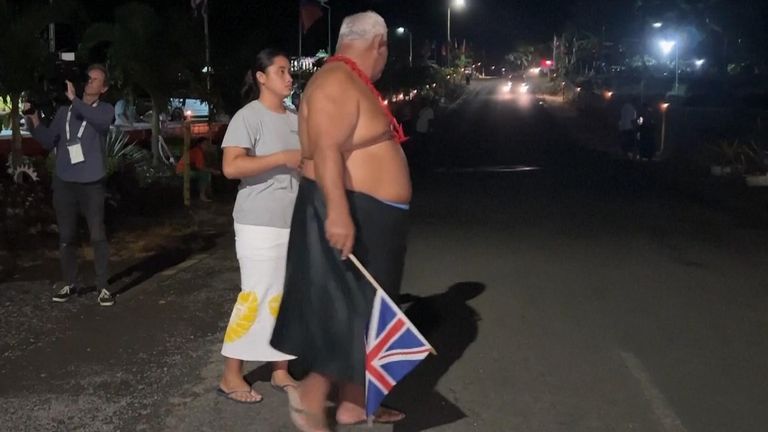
{"type": "Point", "coordinates": [393, 348]}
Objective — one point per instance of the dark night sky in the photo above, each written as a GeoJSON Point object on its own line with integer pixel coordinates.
{"type": "Point", "coordinates": [239, 28]}
{"type": "Point", "coordinates": [496, 25]}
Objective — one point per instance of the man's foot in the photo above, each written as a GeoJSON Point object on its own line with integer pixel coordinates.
{"type": "Point", "coordinates": [304, 420]}
{"type": "Point", "coordinates": [105, 298]}
{"type": "Point", "coordinates": [64, 294]}
{"type": "Point", "coordinates": [382, 415]}
{"type": "Point", "coordinates": [281, 381]}
{"type": "Point", "coordinates": [204, 198]}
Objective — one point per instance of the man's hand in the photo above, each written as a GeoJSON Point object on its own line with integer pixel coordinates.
{"type": "Point", "coordinates": [292, 158]}
{"type": "Point", "coordinates": [34, 118]}
{"type": "Point", "coordinates": [70, 90]}
{"type": "Point", "coordinates": [340, 232]}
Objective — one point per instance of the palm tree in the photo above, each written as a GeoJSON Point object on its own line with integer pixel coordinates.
{"type": "Point", "coordinates": [23, 53]}
{"type": "Point", "coordinates": [522, 57]}
{"type": "Point", "coordinates": [144, 53]}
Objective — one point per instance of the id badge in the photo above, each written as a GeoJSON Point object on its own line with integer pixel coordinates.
{"type": "Point", "coordinates": [75, 151]}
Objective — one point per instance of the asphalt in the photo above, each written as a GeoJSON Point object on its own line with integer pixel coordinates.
{"type": "Point", "coordinates": [564, 288]}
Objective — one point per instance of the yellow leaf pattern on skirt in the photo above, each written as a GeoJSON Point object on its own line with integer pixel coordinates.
{"type": "Point", "coordinates": [243, 316]}
{"type": "Point", "coordinates": [274, 304]}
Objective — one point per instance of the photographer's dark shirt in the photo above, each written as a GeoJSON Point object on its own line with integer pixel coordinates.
{"type": "Point", "coordinates": [93, 141]}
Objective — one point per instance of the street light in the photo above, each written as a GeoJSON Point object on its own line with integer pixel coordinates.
{"type": "Point", "coordinates": [657, 24]}
{"type": "Point", "coordinates": [458, 4]}
{"type": "Point", "coordinates": [666, 48]}
{"type": "Point", "coordinates": [400, 31]}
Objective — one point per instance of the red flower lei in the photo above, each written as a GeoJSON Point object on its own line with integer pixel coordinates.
{"type": "Point", "coordinates": [397, 128]}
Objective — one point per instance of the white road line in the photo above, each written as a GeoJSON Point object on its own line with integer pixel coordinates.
{"type": "Point", "coordinates": [664, 413]}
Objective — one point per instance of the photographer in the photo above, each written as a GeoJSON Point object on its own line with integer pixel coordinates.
{"type": "Point", "coordinates": [77, 135]}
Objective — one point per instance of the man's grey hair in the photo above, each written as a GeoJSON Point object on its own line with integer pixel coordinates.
{"type": "Point", "coordinates": [362, 27]}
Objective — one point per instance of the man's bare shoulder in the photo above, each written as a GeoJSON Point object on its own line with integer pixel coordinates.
{"type": "Point", "coordinates": [330, 79]}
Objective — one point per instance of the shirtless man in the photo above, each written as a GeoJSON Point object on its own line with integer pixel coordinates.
{"type": "Point", "coordinates": [353, 199]}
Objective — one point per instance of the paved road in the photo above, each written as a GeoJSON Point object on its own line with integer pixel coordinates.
{"type": "Point", "coordinates": [564, 289]}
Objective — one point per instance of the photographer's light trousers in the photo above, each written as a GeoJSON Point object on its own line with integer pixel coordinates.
{"type": "Point", "coordinates": [70, 200]}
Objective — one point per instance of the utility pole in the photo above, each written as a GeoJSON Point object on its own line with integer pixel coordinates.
{"type": "Point", "coordinates": [51, 34]}
{"type": "Point", "coordinates": [325, 5]}
{"type": "Point", "coordinates": [208, 69]}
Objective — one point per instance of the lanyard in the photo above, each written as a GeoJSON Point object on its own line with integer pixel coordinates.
{"type": "Point", "coordinates": [82, 125]}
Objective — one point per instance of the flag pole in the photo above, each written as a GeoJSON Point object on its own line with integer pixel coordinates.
{"type": "Point", "coordinates": [300, 34]}
{"type": "Point", "coordinates": [376, 285]}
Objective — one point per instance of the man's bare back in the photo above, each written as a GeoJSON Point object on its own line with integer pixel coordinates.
{"type": "Point", "coordinates": [374, 162]}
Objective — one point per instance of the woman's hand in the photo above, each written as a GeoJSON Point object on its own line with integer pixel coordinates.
{"type": "Point", "coordinates": [292, 158]}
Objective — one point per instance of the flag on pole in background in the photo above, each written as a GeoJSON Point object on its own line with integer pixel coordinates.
{"type": "Point", "coordinates": [309, 12]}
{"type": "Point", "coordinates": [393, 348]}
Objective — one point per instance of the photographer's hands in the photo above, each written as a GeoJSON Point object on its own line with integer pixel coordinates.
{"type": "Point", "coordinates": [70, 90]}
{"type": "Point", "coordinates": [34, 117]}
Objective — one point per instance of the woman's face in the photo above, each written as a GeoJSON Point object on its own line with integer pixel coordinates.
{"type": "Point", "coordinates": [277, 78]}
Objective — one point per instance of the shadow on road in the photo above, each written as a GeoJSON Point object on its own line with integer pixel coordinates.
{"type": "Point", "coordinates": [451, 326]}
{"type": "Point", "coordinates": [158, 262]}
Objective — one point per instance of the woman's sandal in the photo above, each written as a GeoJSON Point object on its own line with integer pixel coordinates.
{"type": "Point", "coordinates": [230, 395]}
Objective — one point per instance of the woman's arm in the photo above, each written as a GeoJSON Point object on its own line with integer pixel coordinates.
{"type": "Point", "coordinates": [236, 163]}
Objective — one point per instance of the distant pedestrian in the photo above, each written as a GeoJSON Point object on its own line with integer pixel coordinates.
{"type": "Point", "coordinates": [200, 171]}
{"type": "Point", "coordinates": [123, 113]}
{"type": "Point", "coordinates": [627, 130]}
{"type": "Point", "coordinates": [646, 137]}
{"type": "Point", "coordinates": [424, 147]}
{"type": "Point", "coordinates": [261, 148]}
{"type": "Point", "coordinates": [77, 135]}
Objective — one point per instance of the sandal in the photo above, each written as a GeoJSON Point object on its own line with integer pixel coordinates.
{"type": "Point", "coordinates": [381, 416]}
{"type": "Point", "coordinates": [229, 395]}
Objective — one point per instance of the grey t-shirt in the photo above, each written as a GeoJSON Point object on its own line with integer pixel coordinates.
{"type": "Point", "coordinates": [266, 199]}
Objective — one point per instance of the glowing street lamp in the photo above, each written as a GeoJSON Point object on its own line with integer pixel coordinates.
{"type": "Point", "coordinates": [458, 4]}
{"type": "Point", "coordinates": [401, 31]}
{"type": "Point", "coordinates": [666, 48]}
{"type": "Point", "coordinates": [657, 25]}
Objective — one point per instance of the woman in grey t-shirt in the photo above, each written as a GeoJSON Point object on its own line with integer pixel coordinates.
{"type": "Point", "coordinates": [261, 148]}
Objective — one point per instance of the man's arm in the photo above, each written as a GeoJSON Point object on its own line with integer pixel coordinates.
{"type": "Point", "coordinates": [48, 137]}
{"type": "Point", "coordinates": [99, 116]}
{"type": "Point", "coordinates": [332, 120]}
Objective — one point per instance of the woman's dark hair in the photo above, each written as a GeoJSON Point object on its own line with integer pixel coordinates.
{"type": "Point", "coordinates": [264, 59]}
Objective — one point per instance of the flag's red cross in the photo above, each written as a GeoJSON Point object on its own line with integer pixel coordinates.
{"type": "Point", "coordinates": [378, 355]}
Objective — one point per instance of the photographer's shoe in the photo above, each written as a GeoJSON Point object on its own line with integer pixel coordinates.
{"type": "Point", "coordinates": [105, 298]}
{"type": "Point", "coordinates": [64, 294]}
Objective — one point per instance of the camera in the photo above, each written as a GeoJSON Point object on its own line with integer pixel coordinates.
{"type": "Point", "coordinates": [52, 91]}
